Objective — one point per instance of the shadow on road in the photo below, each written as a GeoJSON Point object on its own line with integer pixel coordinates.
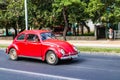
{"type": "Point", "coordinates": [61, 62]}
{"type": "Point", "coordinates": [70, 62]}
{"type": "Point", "coordinates": [31, 60]}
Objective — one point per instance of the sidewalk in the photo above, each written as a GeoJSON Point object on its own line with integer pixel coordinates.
{"type": "Point", "coordinates": [5, 42]}
{"type": "Point", "coordinates": [86, 43]}
{"type": "Point", "coordinates": [96, 43]}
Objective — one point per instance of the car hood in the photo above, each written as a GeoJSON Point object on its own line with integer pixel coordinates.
{"type": "Point", "coordinates": [59, 43]}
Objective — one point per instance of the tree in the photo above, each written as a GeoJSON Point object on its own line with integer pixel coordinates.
{"type": "Point", "coordinates": [64, 7]}
{"type": "Point", "coordinates": [3, 20]}
{"type": "Point", "coordinates": [14, 11]}
{"type": "Point", "coordinates": [39, 13]}
{"type": "Point", "coordinates": [47, 13]}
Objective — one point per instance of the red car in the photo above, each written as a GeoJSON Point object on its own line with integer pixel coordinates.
{"type": "Point", "coordinates": [41, 44]}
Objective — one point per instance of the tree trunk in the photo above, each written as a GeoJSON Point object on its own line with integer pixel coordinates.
{"type": "Point", "coordinates": [40, 27]}
{"type": "Point", "coordinates": [6, 28]}
{"type": "Point", "coordinates": [78, 30]}
{"type": "Point", "coordinates": [74, 31]}
{"type": "Point", "coordinates": [66, 23]}
{"type": "Point", "coordinates": [82, 29]}
{"type": "Point", "coordinates": [88, 28]}
{"type": "Point", "coordinates": [15, 34]}
{"type": "Point", "coordinates": [22, 29]}
{"type": "Point", "coordinates": [17, 26]}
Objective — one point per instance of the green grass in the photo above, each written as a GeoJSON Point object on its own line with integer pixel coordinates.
{"type": "Point", "coordinates": [89, 49]}
{"type": "Point", "coordinates": [3, 46]}
{"type": "Point", "coordinates": [98, 49]}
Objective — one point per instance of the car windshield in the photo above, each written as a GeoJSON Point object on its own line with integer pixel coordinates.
{"type": "Point", "coordinates": [48, 35]}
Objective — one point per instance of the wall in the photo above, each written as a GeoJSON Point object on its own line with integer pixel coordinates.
{"type": "Point", "coordinates": [78, 38]}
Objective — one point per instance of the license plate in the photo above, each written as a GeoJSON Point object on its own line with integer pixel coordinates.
{"type": "Point", "coordinates": [74, 56]}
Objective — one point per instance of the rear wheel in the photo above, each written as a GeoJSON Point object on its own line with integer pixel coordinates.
{"type": "Point", "coordinates": [51, 58]}
{"type": "Point", "coordinates": [13, 54]}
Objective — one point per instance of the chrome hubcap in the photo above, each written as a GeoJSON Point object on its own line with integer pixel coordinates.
{"type": "Point", "coordinates": [13, 55]}
{"type": "Point", "coordinates": [51, 58]}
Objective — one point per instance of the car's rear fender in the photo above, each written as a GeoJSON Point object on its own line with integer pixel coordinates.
{"type": "Point", "coordinates": [12, 46]}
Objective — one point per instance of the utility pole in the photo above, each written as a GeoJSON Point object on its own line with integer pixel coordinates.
{"type": "Point", "coordinates": [26, 15]}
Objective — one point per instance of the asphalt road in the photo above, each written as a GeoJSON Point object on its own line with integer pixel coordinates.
{"type": "Point", "coordinates": [86, 67]}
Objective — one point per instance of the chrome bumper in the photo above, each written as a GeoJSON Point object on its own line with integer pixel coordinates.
{"type": "Point", "coordinates": [70, 56]}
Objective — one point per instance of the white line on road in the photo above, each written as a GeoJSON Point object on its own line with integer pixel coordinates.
{"type": "Point", "coordinates": [38, 74]}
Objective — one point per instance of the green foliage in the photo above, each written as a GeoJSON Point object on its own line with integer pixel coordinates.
{"type": "Point", "coordinates": [98, 49]}
{"type": "Point", "coordinates": [15, 8]}
{"type": "Point", "coordinates": [75, 9]}
{"type": "Point", "coordinates": [93, 7]}
{"type": "Point", "coordinates": [48, 13]}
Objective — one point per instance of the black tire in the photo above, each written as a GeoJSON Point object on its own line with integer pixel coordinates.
{"type": "Point", "coordinates": [13, 54]}
{"type": "Point", "coordinates": [51, 58]}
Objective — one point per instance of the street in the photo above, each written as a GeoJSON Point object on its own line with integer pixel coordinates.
{"type": "Point", "coordinates": [86, 67]}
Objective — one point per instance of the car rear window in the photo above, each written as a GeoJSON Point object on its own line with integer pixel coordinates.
{"type": "Point", "coordinates": [21, 37]}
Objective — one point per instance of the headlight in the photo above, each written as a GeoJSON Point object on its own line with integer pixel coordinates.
{"type": "Point", "coordinates": [75, 48]}
{"type": "Point", "coordinates": [62, 51]}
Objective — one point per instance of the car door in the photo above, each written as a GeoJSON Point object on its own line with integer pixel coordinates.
{"type": "Point", "coordinates": [33, 46]}
{"type": "Point", "coordinates": [20, 43]}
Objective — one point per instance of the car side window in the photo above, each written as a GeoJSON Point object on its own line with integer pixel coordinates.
{"type": "Point", "coordinates": [32, 37]}
{"type": "Point", "coordinates": [21, 37]}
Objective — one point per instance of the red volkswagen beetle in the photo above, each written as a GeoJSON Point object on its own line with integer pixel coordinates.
{"type": "Point", "coordinates": [41, 44]}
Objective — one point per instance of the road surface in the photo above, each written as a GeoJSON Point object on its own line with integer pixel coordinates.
{"type": "Point", "coordinates": [86, 67]}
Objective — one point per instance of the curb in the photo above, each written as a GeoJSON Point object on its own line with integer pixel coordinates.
{"type": "Point", "coordinates": [101, 53]}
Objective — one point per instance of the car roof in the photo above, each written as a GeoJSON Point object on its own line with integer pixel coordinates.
{"type": "Point", "coordinates": [35, 31]}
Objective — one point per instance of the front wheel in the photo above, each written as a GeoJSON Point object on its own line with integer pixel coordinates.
{"type": "Point", "coordinates": [13, 54]}
{"type": "Point", "coordinates": [51, 58]}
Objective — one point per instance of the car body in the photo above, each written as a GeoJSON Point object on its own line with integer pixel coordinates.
{"type": "Point", "coordinates": [41, 44]}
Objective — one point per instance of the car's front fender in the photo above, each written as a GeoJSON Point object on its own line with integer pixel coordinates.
{"type": "Point", "coordinates": [55, 50]}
